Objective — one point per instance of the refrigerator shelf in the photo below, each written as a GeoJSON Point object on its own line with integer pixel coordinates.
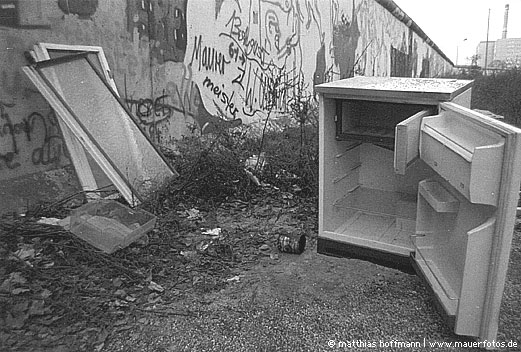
{"type": "Point", "coordinates": [465, 154]}
{"type": "Point", "coordinates": [375, 231]}
{"type": "Point", "coordinates": [380, 202]}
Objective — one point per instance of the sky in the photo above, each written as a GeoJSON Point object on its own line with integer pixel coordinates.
{"type": "Point", "coordinates": [457, 26]}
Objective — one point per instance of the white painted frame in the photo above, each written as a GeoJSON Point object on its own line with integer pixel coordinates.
{"type": "Point", "coordinates": [82, 138]}
{"type": "Point", "coordinates": [84, 171]}
{"type": "Point", "coordinates": [41, 51]}
{"type": "Point", "coordinates": [78, 156]}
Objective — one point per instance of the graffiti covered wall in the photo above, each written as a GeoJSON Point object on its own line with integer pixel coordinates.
{"type": "Point", "coordinates": [185, 66]}
{"type": "Point", "coordinates": [34, 161]}
{"type": "Point", "coordinates": [233, 61]}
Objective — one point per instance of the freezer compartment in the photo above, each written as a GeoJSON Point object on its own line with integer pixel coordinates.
{"type": "Point", "coordinates": [367, 204]}
{"type": "Point", "coordinates": [452, 251]}
{"type": "Point", "coordinates": [465, 153]}
{"type": "Point", "coordinates": [374, 122]}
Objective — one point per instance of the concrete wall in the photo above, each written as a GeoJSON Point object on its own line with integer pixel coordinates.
{"type": "Point", "coordinates": [185, 66]}
{"type": "Point", "coordinates": [226, 58]}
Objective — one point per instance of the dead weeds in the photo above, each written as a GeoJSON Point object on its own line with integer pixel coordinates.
{"type": "Point", "coordinates": [58, 292]}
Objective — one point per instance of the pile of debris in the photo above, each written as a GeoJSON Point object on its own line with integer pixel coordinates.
{"type": "Point", "coordinates": [56, 289]}
{"type": "Point", "coordinates": [85, 272]}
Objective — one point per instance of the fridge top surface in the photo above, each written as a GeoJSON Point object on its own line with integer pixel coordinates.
{"type": "Point", "coordinates": [396, 88]}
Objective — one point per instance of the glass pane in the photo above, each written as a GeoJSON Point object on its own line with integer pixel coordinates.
{"type": "Point", "coordinates": [102, 116]}
{"type": "Point", "coordinates": [102, 180]}
{"type": "Point", "coordinates": [93, 56]}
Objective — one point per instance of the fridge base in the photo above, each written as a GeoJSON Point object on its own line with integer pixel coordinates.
{"type": "Point", "coordinates": [346, 250]}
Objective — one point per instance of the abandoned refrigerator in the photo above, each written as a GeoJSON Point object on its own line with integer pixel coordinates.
{"type": "Point", "coordinates": [410, 177]}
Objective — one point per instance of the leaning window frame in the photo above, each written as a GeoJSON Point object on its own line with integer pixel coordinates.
{"type": "Point", "coordinates": [128, 191]}
{"type": "Point", "coordinates": [41, 52]}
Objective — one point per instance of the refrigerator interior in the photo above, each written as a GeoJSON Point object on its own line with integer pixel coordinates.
{"type": "Point", "coordinates": [440, 193]}
{"type": "Point", "coordinates": [440, 205]}
{"type": "Point", "coordinates": [369, 203]}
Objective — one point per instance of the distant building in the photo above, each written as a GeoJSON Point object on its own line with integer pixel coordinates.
{"type": "Point", "coordinates": [508, 51]}
{"type": "Point", "coordinates": [483, 50]}
{"type": "Point", "coordinates": [502, 53]}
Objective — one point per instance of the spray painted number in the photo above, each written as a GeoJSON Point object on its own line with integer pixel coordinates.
{"type": "Point", "coordinates": [236, 53]}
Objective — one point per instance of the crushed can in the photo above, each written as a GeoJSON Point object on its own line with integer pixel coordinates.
{"type": "Point", "coordinates": [291, 243]}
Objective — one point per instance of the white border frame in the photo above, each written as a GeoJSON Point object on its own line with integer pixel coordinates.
{"type": "Point", "coordinates": [76, 130]}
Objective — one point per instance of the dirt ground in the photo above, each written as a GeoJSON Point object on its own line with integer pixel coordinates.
{"type": "Point", "coordinates": [311, 302]}
{"type": "Point", "coordinates": [187, 289]}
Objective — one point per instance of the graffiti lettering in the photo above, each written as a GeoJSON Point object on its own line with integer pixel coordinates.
{"type": "Point", "coordinates": [238, 79]}
{"type": "Point", "coordinates": [250, 46]}
{"type": "Point", "coordinates": [8, 128]}
{"type": "Point", "coordinates": [236, 53]}
{"type": "Point", "coordinates": [222, 96]}
{"type": "Point", "coordinates": [273, 29]}
{"type": "Point", "coordinates": [151, 113]}
{"type": "Point", "coordinates": [148, 108]}
{"type": "Point", "coordinates": [51, 151]}
{"type": "Point", "coordinates": [269, 90]}
{"type": "Point", "coordinates": [33, 128]}
{"type": "Point", "coordinates": [182, 101]}
{"type": "Point", "coordinates": [208, 58]}
{"type": "Point", "coordinates": [267, 57]}
{"type": "Point", "coordinates": [181, 97]}
{"type": "Point", "coordinates": [8, 159]}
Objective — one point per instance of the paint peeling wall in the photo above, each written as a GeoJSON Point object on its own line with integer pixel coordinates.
{"type": "Point", "coordinates": [185, 66]}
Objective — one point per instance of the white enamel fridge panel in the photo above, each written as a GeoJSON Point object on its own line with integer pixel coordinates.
{"type": "Point", "coordinates": [466, 214]}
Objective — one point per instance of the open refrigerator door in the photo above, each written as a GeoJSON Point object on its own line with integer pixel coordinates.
{"type": "Point", "coordinates": [411, 178]}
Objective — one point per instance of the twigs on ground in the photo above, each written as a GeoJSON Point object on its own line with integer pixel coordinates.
{"type": "Point", "coordinates": [54, 282]}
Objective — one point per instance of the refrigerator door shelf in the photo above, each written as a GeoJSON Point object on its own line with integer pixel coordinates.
{"type": "Point", "coordinates": [464, 153]}
{"type": "Point", "coordinates": [438, 197]}
{"type": "Point", "coordinates": [465, 215]}
{"type": "Point", "coordinates": [455, 263]}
